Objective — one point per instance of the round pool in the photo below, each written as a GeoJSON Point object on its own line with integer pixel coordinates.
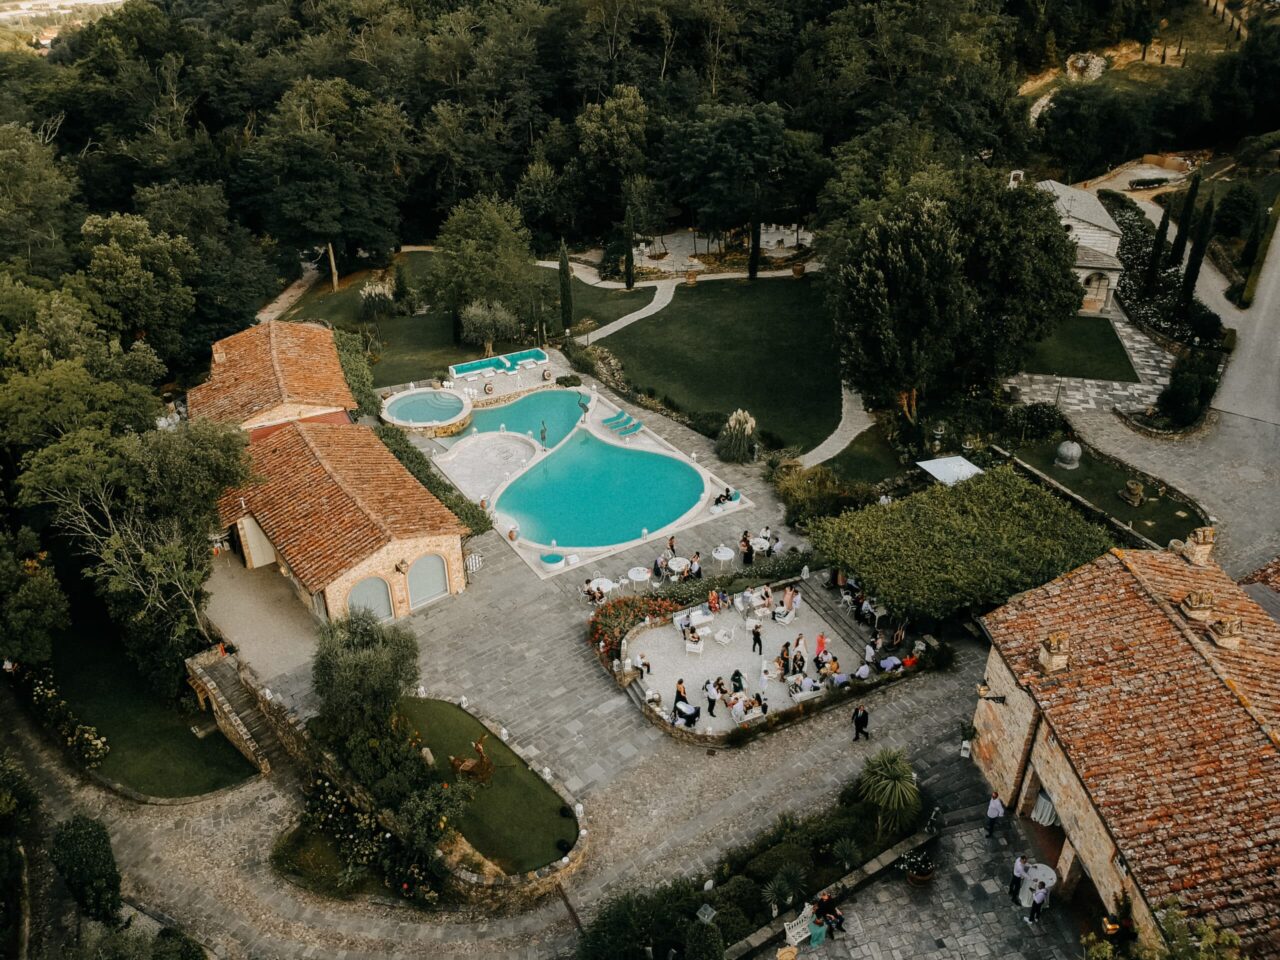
{"type": "Point", "coordinates": [424, 406]}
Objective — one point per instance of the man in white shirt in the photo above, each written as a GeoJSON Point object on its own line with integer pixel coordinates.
{"type": "Point", "coordinates": [869, 653]}
{"type": "Point", "coordinates": [1019, 875]}
{"type": "Point", "coordinates": [808, 684]}
{"type": "Point", "coordinates": [995, 810]}
{"type": "Point", "coordinates": [1037, 903]}
{"type": "Point", "coordinates": [712, 696]}
{"type": "Point", "coordinates": [863, 672]}
{"type": "Point", "coordinates": [738, 711]}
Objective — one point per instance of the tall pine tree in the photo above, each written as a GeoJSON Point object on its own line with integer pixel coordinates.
{"type": "Point", "coordinates": [1157, 255]}
{"type": "Point", "coordinates": [556, 327]}
{"type": "Point", "coordinates": [1204, 231]}
{"type": "Point", "coordinates": [629, 264]}
{"type": "Point", "coordinates": [1185, 223]}
{"type": "Point", "coordinates": [1251, 246]}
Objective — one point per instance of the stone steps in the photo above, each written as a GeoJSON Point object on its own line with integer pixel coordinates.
{"type": "Point", "coordinates": [245, 706]}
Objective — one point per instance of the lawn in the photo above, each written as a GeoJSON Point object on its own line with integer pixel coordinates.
{"type": "Point", "coordinates": [868, 459]}
{"type": "Point", "coordinates": [765, 346]}
{"type": "Point", "coordinates": [514, 820]}
{"type": "Point", "coordinates": [1099, 482]}
{"type": "Point", "coordinates": [604, 305]}
{"type": "Point", "coordinates": [311, 859]}
{"type": "Point", "coordinates": [1082, 347]}
{"type": "Point", "coordinates": [153, 749]}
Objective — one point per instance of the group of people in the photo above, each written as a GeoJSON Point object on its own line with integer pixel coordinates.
{"type": "Point", "coordinates": [826, 920]}
{"type": "Point", "coordinates": [747, 549]}
{"type": "Point", "coordinates": [662, 563]}
{"type": "Point", "coordinates": [1039, 892]}
{"type": "Point", "coordinates": [733, 696]}
{"type": "Point", "coordinates": [595, 596]}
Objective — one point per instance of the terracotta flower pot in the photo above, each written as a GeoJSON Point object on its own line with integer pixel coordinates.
{"type": "Point", "coordinates": [797, 270]}
{"type": "Point", "coordinates": [920, 879]}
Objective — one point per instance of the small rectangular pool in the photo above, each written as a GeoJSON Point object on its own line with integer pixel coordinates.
{"type": "Point", "coordinates": [502, 364]}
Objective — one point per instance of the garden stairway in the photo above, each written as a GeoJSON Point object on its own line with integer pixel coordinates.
{"type": "Point", "coordinates": [237, 712]}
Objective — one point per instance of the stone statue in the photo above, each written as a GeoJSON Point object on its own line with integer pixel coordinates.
{"type": "Point", "coordinates": [1132, 493]}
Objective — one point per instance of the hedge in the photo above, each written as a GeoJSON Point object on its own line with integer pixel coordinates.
{"type": "Point", "coordinates": [355, 367]}
{"type": "Point", "coordinates": [471, 514]}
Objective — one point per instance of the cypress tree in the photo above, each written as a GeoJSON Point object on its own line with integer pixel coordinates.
{"type": "Point", "coordinates": [1185, 223]}
{"type": "Point", "coordinates": [1251, 246]}
{"type": "Point", "coordinates": [1204, 230]}
{"type": "Point", "coordinates": [1157, 255]}
{"type": "Point", "coordinates": [566, 295]}
{"type": "Point", "coordinates": [629, 264]}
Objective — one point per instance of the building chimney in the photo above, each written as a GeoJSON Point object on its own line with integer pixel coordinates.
{"type": "Point", "coordinates": [1197, 605]}
{"type": "Point", "coordinates": [219, 355]}
{"type": "Point", "coordinates": [1226, 632]}
{"type": "Point", "coordinates": [1054, 653]}
{"type": "Point", "coordinates": [1198, 549]}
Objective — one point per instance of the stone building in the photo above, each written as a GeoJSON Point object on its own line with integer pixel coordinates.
{"type": "Point", "coordinates": [271, 374]}
{"type": "Point", "coordinates": [1133, 706]}
{"type": "Point", "coordinates": [344, 521]}
{"type": "Point", "coordinates": [1097, 240]}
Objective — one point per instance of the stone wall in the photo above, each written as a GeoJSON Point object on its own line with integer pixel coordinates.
{"type": "Point", "coordinates": [1004, 730]}
{"type": "Point", "coordinates": [228, 722]}
{"type": "Point", "coordinates": [383, 564]}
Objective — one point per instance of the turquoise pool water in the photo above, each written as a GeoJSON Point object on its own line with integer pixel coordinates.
{"type": "Point", "coordinates": [558, 409]}
{"type": "Point", "coordinates": [428, 406]}
{"type": "Point", "coordinates": [508, 361]}
{"type": "Point", "coordinates": [590, 493]}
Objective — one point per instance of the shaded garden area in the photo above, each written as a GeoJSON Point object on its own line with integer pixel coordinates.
{"type": "Point", "coordinates": [870, 458]}
{"type": "Point", "coordinates": [1085, 347]}
{"type": "Point", "coordinates": [765, 346]}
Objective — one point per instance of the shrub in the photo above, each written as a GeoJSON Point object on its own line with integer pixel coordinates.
{"type": "Point", "coordinates": [355, 367]}
{"type": "Point", "coordinates": [1191, 388]}
{"type": "Point", "coordinates": [703, 942]}
{"type": "Point", "coordinates": [808, 494]}
{"type": "Point", "coordinates": [428, 816]}
{"type": "Point", "coordinates": [83, 742]}
{"type": "Point", "coordinates": [1238, 210]}
{"type": "Point", "coordinates": [18, 798]}
{"type": "Point", "coordinates": [769, 864]}
{"type": "Point", "coordinates": [733, 922]}
{"type": "Point", "coordinates": [360, 669]}
{"type": "Point", "coordinates": [611, 621]}
{"type": "Point", "coordinates": [476, 519]}
{"type": "Point", "coordinates": [571, 380]}
{"type": "Point", "coordinates": [709, 424]}
{"type": "Point", "coordinates": [888, 782]}
{"type": "Point", "coordinates": [377, 300]}
{"type": "Point", "coordinates": [847, 852]}
{"type": "Point", "coordinates": [81, 852]}
{"type": "Point", "coordinates": [1032, 422]}
{"type": "Point", "coordinates": [736, 442]}
{"type": "Point", "coordinates": [583, 359]}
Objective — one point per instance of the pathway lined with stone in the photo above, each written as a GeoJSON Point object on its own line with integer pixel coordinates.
{"type": "Point", "coordinates": [290, 295]}
{"type": "Point", "coordinates": [664, 292]}
{"type": "Point", "coordinates": [853, 420]}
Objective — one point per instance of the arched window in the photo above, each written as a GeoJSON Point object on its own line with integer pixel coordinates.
{"type": "Point", "coordinates": [1095, 291]}
{"type": "Point", "coordinates": [428, 579]}
{"type": "Point", "coordinates": [372, 594]}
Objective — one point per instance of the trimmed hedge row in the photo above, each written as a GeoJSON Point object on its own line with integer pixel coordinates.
{"type": "Point", "coordinates": [355, 367]}
{"type": "Point", "coordinates": [471, 514]}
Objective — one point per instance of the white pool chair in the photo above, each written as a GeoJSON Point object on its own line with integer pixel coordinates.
{"type": "Point", "coordinates": [725, 637]}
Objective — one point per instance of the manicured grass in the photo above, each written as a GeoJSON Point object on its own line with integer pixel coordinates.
{"type": "Point", "coordinates": [311, 858]}
{"type": "Point", "coordinates": [421, 346]}
{"type": "Point", "coordinates": [868, 459]}
{"type": "Point", "coordinates": [153, 749]}
{"type": "Point", "coordinates": [605, 306]}
{"type": "Point", "coordinates": [765, 346]}
{"type": "Point", "coordinates": [1099, 482]}
{"type": "Point", "coordinates": [1082, 347]}
{"type": "Point", "coordinates": [514, 820]}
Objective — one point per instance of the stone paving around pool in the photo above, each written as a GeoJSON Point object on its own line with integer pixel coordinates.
{"type": "Point", "coordinates": [963, 915]}
{"type": "Point", "coordinates": [665, 649]}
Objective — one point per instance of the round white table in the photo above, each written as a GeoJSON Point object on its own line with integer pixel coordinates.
{"type": "Point", "coordinates": [722, 555]}
{"type": "Point", "coordinates": [678, 564]}
{"type": "Point", "coordinates": [638, 575]}
{"type": "Point", "coordinates": [759, 544]}
{"type": "Point", "coordinates": [1037, 873]}
{"type": "Point", "coordinates": [603, 583]}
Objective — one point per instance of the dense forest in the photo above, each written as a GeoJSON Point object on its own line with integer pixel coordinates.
{"type": "Point", "coordinates": [165, 168]}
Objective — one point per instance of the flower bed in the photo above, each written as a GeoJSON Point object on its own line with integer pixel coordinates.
{"type": "Point", "coordinates": [82, 742]}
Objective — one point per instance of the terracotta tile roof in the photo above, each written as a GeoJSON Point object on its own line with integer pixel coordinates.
{"type": "Point", "coordinates": [267, 365]}
{"type": "Point", "coordinates": [331, 495]}
{"type": "Point", "coordinates": [1268, 573]}
{"type": "Point", "coordinates": [1175, 739]}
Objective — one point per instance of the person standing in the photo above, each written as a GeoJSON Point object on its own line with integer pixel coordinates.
{"type": "Point", "coordinates": [995, 810]}
{"type": "Point", "coordinates": [1019, 875]}
{"type": "Point", "coordinates": [757, 642]}
{"type": "Point", "coordinates": [712, 694]}
{"type": "Point", "coordinates": [860, 721]}
{"type": "Point", "coordinates": [1037, 903]}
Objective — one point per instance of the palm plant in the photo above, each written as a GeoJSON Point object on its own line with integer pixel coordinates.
{"type": "Point", "coordinates": [889, 783]}
{"type": "Point", "coordinates": [846, 850]}
{"type": "Point", "coordinates": [792, 877]}
{"type": "Point", "coordinates": [774, 893]}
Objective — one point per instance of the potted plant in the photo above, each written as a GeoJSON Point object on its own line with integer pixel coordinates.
{"type": "Point", "coordinates": [797, 270]}
{"type": "Point", "coordinates": [918, 866]}
{"type": "Point", "coordinates": [968, 733]}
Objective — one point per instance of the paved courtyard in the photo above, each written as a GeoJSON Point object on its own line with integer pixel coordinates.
{"type": "Point", "coordinates": [964, 914]}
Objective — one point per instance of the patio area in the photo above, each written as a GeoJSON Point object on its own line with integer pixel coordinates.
{"type": "Point", "coordinates": [664, 647]}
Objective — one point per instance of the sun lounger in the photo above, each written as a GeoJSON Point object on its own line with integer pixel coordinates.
{"type": "Point", "coordinates": [616, 418]}
{"type": "Point", "coordinates": [625, 421]}
{"type": "Point", "coordinates": [634, 428]}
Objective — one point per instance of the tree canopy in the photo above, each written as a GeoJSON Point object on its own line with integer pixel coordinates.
{"type": "Point", "coordinates": [973, 545]}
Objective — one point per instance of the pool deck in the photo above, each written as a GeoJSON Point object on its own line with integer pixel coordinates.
{"type": "Point", "coordinates": [483, 465]}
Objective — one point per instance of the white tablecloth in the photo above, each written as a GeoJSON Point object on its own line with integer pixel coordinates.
{"type": "Point", "coordinates": [759, 544]}
{"type": "Point", "coordinates": [722, 553]}
{"type": "Point", "coordinates": [678, 564]}
{"type": "Point", "coordinates": [602, 583]}
{"type": "Point", "coordinates": [1036, 873]}
{"type": "Point", "coordinates": [638, 574]}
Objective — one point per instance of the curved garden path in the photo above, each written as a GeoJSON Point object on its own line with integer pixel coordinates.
{"type": "Point", "coordinates": [205, 866]}
{"type": "Point", "coordinates": [853, 420]}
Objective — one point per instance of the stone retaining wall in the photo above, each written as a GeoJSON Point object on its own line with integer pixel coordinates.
{"type": "Point", "coordinates": [228, 722]}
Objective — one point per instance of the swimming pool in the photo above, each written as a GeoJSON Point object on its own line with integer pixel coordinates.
{"type": "Point", "coordinates": [424, 406]}
{"type": "Point", "coordinates": [591, 493]}
{"type": "Point", "coordinates": [558, 409]}
{"type": "Point", "coordinates": [508, 361]}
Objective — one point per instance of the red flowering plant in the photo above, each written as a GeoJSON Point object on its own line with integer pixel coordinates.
{"type": "Point", "coordinates": [611, 621]}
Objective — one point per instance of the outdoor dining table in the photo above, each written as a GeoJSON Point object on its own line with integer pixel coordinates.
{"type": "Point", "coordinates": [638, 575]}
{"type": "Point", "coordinates": [722, 555]}
{"type": "Point", "coordinates": [1036, 873]}
{"type": "Point", "coordinates": [759, 544]}
{"type": "Point", "coordinates": [603, 583]}
{"type": "Point", "coordinates": [678, 564]}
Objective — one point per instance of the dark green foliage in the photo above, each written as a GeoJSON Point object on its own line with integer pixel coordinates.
{"type": "Point", "coordinates": [475, 517]}
{"type": "Point", "coordinates": [703, 942]}
{"type": "Point", "coordinates": [18, 797]}
{"type": "Point", "coordinates": [580, 358]}
{"type": "Point", "coordinates": [560, 324]}
{"type": "Point", "coordinates": [768, 864]}
{"type": "Point", "coordinates": [1191, 387]}
{"type": "Point", "coordinates": [1204, 232]}
{"type": "Point", "coordinates": [1238, 210]}
{"type": "Point", "coordinates": [1249, 255]}
{"type": "Point", "coordinates": [355, 367]}
{"type": "Point", "coordinates": [361, 669]}
{"type": "Point", "coordinates": [973, 545]}
{"type": "Point", "coordinates": [81, 852]}
{"type": "Point", "coordinates": [1156, 259]}
{"type": "Point", "coordinates": [1186, 222]}
{"type": "Point", "coordinates": [33, 607]}
{"type": "Point", "coordinates": [629, 258]}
